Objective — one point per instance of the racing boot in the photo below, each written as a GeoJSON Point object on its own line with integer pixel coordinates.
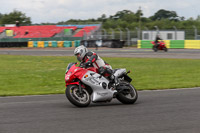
{"type": "Point", "coordinates": [113, 79]}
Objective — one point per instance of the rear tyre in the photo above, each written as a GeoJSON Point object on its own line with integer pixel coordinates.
{"type": "Point", "coordinates": [155, 49]}
{"type": "Point", "coordinates": [77, 99]}
{"type": "Point", "coordinates": [128, 95]}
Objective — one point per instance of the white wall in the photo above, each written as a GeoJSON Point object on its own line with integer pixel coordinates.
{"type": "Point", "coordinates": [178, 35]}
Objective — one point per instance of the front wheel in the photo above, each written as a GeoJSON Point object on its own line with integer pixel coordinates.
{"type": "Point", "coordinates": [127, 93]}
{"type": "Point", "coordinates": [165, 49]}
{"type": "Point", "coordinates": [77, 99]}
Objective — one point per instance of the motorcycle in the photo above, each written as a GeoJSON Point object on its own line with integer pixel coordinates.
{"type": "Point", "coordinates": [161, 46]}
{"type": "Point", "coordinates": [85, 85]}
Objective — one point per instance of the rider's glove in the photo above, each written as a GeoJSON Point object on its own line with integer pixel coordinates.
{"type": "Point", "coordinates": [82, 65]}
{"type": "Point", "coordinates": [89, 63]}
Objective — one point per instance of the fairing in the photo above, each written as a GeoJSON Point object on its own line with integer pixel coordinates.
{"type": "Point", "coordinates": [99, 85]}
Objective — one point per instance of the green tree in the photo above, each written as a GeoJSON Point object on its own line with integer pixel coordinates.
{"type": "Point", "coordinates": [198, 18]}
{"type": "Point", "coordinates": [121, 14]}
{"type": "Point", "coordinates": [129, 18]}
{"type": "Point", "coordinates": [102, 18]}
{"type": "Point", "coordinates": [165, 14]}
{"type": "Point", "coordinates": [139, 14]}
{"type": "Point", "coordinates": [1, 15]}
{"type": "Point", "coordinates": [110, 23]}
{"type": "Point", "coordinates": [14, 16]}
{"type": "Point", "coordinates": [164, 19]}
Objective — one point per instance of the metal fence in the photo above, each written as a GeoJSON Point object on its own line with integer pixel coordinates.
{"type": "Point", "coordinates": [130, 36]}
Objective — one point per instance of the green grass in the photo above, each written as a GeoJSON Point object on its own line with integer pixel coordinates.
{"type": "Point", "coordinates": [34, 75]}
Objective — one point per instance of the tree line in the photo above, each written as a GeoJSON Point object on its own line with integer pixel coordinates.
{"type": "Point", "coordinates": [164, 19]}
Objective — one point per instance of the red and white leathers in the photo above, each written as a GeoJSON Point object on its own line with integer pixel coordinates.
{"type": "Point", "coordinates": [95, 60]}
{"type": "Point", "coordinates": [92, 59]}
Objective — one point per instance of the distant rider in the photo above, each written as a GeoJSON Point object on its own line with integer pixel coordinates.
{"type": "Point", "coordinates": [157, 41]}
{"type": "Point", "coordinates": [91, 59]}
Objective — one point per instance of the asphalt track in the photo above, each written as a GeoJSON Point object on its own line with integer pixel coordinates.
{"type": "Point", "coordinates": [109, 52]}
{"type": "Point", "coordinates": [166, 111]}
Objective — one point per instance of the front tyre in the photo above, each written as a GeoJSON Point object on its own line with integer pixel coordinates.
{"type": "Point", "coordinates": [165, 49]}
{"type": "Point", "coordinates": [77, 99]}
{"type": "Point", "coordinates": [128, 94]}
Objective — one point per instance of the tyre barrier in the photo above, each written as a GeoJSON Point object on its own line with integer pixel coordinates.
{"type": "Point", "coordinates": [187, 44]}
{"type": "Point", "coordinates": [13, 44]}
{"type": "Point", "coordinates": [114, 43]}
{"type": "Point", "coordinates": [44, 44]}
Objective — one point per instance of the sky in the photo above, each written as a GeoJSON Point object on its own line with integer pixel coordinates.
{"type": "Point", "coordinates": [53, 11]}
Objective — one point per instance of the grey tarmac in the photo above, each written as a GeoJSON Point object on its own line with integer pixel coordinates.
{"type": "Point", "coordinates": [166, 111]}
{"type": "Point", "coordinates": [106, 52]}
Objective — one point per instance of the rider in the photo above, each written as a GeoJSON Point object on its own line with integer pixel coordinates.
{"type": "Point", "coordinates": [157, 41]}
{"type": "Point", "coordinates": [89, 58]}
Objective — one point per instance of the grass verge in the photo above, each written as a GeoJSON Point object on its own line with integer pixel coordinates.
{"type": "Point", "coordinates": [34, 75]}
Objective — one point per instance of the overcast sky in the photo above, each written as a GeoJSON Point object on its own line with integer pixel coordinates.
{"type": "Point", "coordinates": [63, 10]}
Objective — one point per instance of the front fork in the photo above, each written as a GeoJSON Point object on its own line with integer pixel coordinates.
{"type": "Point", "coordinates": [80, 88]}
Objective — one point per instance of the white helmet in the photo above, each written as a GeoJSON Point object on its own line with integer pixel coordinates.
{"type": "Point", "coordinates": [81, 50]}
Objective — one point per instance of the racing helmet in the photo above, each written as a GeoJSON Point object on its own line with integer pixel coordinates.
{"type": "Point", "coordinates": [80, 52]}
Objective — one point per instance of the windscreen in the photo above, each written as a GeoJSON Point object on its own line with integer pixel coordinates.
{"type": "Point", "coordinates": [69, 66]}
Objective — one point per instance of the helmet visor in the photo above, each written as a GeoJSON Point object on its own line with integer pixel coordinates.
{"type": "Point", "coordinates": [78, 57]}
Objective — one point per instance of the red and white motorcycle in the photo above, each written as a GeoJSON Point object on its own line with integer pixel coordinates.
{"type": "Point", "coordinates": [84, 85]}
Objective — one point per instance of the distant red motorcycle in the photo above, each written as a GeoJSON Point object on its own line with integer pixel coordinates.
{"type": "Point", "coordinates": [161, 46]}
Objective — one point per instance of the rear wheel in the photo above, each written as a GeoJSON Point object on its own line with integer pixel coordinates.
{"type": "Point", "coordinates": [75, 97]}
{"type": "Point", "coordinates": [155, 48]}
{"type": "Point", "coordinates": [127, 93]}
